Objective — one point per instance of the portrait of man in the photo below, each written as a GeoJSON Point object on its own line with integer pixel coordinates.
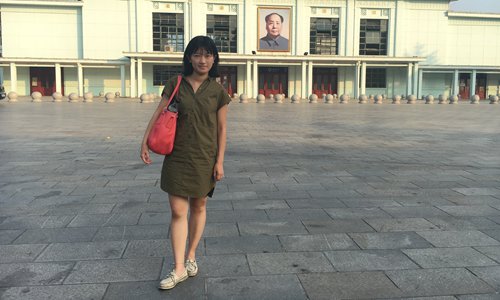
{"type": "Point", "coordinates": [274, 29]}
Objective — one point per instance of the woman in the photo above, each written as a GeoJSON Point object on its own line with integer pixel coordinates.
{"type": "Point", "coordinates": [189, 173]}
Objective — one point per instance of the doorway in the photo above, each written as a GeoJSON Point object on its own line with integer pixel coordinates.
{"type": "Point", "coordinates": [324, 81]}
{"type": "Point", "coordinates": [228, 79]}
{"type": "Point", "coordinates": [43, 80]}
{"type": "Point", "coordinates": [464, 81]}
{"type": "Point", "coordinates": [273, 81]}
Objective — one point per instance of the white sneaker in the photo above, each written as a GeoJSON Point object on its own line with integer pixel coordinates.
{"type": "Point", "coordinates": [172, 280]}
{"type": "Point", "coordinates": [191, 267]}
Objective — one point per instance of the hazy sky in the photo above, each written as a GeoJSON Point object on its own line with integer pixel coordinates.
{"type": "Point", "coordinates": [489, 6]}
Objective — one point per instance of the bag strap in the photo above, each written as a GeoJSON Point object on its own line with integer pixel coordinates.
{"type": "Point", "coordinates": [179, 79]}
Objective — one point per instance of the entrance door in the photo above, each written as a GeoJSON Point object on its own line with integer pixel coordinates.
{"type": "Point", "coordinates": [228, 79]}
{"type": "Point", "coordinates": [273, 81]}
{"type": "Point", "coordinates": [324, 81]}
{"type": "Point", "coordinates": [464, 86]}
{"type": "Point", "coordinates": [43, 80]}
{"type": "Point", "coordinates": [481, 85]}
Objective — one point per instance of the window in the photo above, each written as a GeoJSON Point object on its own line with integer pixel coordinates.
{"type": "Point", "coordinates": [168, 32]}
{"type": "Point", "coordinates": [376, 78]}
{"type": "Point", "coordinates": [223, 30]}
{"type": "Point", "coordinates": [162, 73]}
{"type": "Point", "coordinates": [373, 37]}
{"type": "Point", "coordinates": [324, 36]}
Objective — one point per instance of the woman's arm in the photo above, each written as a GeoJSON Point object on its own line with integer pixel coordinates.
{"type": "Point", "coordinates": [221, 142]}
{"type": "Point", "coordinates": [144, 147]}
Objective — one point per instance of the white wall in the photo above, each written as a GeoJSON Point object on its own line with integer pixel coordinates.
{"type": "Point", "coordinates": [436, 84]}
{"type": "Point", "coordinates": [41, 32]}
{"type": "Point", "coordinates": [473, 42]}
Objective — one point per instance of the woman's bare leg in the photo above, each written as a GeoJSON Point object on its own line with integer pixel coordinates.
{"type": "Point", "coordinates": [179, 230]}
{"type": "Point", "coordinates": [197, 219]}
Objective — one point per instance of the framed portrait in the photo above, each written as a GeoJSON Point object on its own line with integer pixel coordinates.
{"type": "Point", "coordinates": [274, 28]}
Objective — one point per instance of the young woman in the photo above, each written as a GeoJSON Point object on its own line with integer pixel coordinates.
{"type": "Point", "coordinates": [190, 172]}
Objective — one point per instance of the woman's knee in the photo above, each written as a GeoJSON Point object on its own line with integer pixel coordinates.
{"type": "Point", "coordinates": [198, 204]}
{"type": "Point", "coordinates": [179, 207]}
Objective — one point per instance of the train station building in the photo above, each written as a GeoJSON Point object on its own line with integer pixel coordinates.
{"type": "Point", "coordinates": [355, 47]}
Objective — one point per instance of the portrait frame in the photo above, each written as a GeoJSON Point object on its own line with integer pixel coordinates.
{"type": "Point", "coordinates": [286, 28]}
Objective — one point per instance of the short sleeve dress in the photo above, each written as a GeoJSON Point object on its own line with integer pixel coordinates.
{"type": "Point", "coordinates": [188, 170]}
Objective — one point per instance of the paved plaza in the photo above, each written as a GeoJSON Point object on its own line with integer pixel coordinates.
{"type": "Point", "coordinates": [320, 201]}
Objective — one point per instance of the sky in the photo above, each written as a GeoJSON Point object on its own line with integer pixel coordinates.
{"type": "Point", "coordinates": [487, 6]}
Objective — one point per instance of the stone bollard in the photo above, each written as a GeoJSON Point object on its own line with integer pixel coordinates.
{"type": "Point", "coordinates": [442, 99]}
{"type": "Point", "coordinates": [371, 98]}
{"type": "Point", "coordinates": [379, 99]}
{"type": "Point", "coordinates": [363, 99]}
{"type": "Point", "coordinates": [88, 97]}
{"type": "Point", "coordinates": [474, 99]}
{"type": "Point", "coordinates": [313, 98]}
{"type": "Point", "coordinates": [145, 98]}
{"type": "Point", "coordinates": [323, 98]}
{"type": "Point", "coordinates": [56, 97]}
{"type": "Point", "coordinates": [73, 97]}
{"type": "Point", "coordinates": [12, 96]}
{"type": "Point", "coordinates": [101, 94]}
{"type": "Point", "coordinates": [243, 98]}
{"type": "Point", "coordinates": [110, 97]}
{"type": "Point", "coordinates": [335, 98]}
{"type": "Point", "coordinates": [36, 97]}
{"type": "Point", "coordinates": [329, 99]}
{"type": "Point", "coordinates": [453, 99]}
{"type": "Point", "coordinates": [411, 99]}
{"type": "Point", "coordinates": [235, 96]}
{"type": "Point", "coordinates": [261, 99]}
{"type": "Point", "coordinates": [494, 99]}
{"type": "Point", "coordinates": [117, 94]}
{"type": "Point", "coordinates": [271, 96]}
{"type": "Point", "coordinates": [278, 98]}
{"type": "Point", "coordinates": [429, 99]}
{"type": "Point", "coordinates": [396, 99]}
{"type": "Point", "coordinates": [295, 99]}
{"type": "Point", "coordinates": [344, 99]}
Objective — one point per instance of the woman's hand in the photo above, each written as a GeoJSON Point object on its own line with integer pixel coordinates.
{"type": "Point", "coordinates": [145, 154]}
{"type": "Point", "coordinates": [218, 171]}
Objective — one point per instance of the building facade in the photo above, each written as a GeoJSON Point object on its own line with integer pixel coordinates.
{"type": "Point", "coordinates": [355, 47]}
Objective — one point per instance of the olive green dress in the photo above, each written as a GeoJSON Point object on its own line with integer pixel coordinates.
{"type": "Point", "coordinates": [188, 170]}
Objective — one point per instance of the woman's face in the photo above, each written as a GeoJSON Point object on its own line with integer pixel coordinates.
{"type": "Point", "coordinates": [202, 61]}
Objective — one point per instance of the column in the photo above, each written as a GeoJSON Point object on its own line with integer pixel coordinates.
{"type": "Point", "coordinates": [132, 79]}
{"type": "Point", "coordinates": [473, 83]}
{"type": "Point", "coordinates": [13, 77]}
{"type": "Point", "coordinates": [58, 78]}
{"type": "Point", "coordinates": [122, 79]}
{"type": "Point", "coordinates": [248, 89]}
{"type": "Point", "coordinates": [139, 77]}
{"type": "Point", "coordinates": [455, 83]}
{"type": "Point", "coordinates": [363, 79]}
{"type": "Point", "coordinates": [80, 80]}
{"type": "Point", "coordinates": [255, 79]}
{"type": "Point", "coordinates": [420, 83]}
{"type": "Point", "coordinates": [303, 77]}
{"type": "Point", "coordinates": [408, 84]}
{"type": "Point", "coordinates": [309, 87]}
{"type": "Point", "coordinates": [415, 80]}
{"type": "Point", "coordinates": [356, 80]}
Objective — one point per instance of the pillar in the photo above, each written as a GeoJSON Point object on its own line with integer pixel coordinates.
{"type": "Point", "coordinates": [455, 83]}
{"type": "Point", "coordinates": [80, 80]}
{"type": "Point", "coordinates": [409, 81]}
{"type": "Point", "coordinates": [473, 83]}
{"type": "Point", "coordinates": [122, 79]}
{"type": "Point", "coordinates": [255, 79]}
{"type": "Point", "coordinates": [58, 78]}
{"type": "Point", "coordinates": [415, 79]}
{"type": "Point", "coordinates": [139, 76]}
{"type": "Point", "coordinates": [363, 79]}
{"type": "Point", "coordinates": [420, 83]}
{"type": "Point", "coordinates": [309, 87]}
{"type": "Point", "coordinates": [356, 80]}
{"type": "Point", "coordinates": [248, 89]}
{"type": "Point", "coordinates": [303, 77]}
{"type": "Point", "coordinates": [13, 77]}
{"type": "Point", "coordinates": [132, 79]}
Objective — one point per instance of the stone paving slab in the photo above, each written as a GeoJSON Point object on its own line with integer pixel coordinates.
{"type": "Point", "coordinates": [54, 292]}
{"type": "Point", "coordinates": [81, 216]}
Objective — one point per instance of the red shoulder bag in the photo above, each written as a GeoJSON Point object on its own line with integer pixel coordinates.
{"type": "Point", "coordinates": [162, 136]}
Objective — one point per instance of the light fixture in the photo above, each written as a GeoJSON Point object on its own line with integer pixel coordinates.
{"type": "Point", "coordinates": [306, 53]}
{"type": "Point", "coordinates": [253, 52]}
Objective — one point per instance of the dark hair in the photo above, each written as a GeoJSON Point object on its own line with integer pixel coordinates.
{"type": "Point", "coordinates": [196, 43]}
{"type": "Point", "coordinates": [269, 15]}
